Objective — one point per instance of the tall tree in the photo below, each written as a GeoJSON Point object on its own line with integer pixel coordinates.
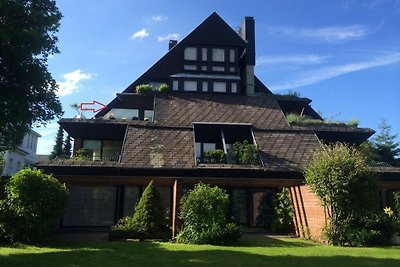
{"type": "Point", "coordinates": [67, 147]}
{"type": "Point", "coordinates": [28, 92]}
{"type": "Point", "coordinates": [58, 151]}
{"type": "Point", "coordinates": [387, 149]}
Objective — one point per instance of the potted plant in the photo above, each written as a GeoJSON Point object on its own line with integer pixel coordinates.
{"type": "Point", "coordinates": [143, 88]}
{"type": "Point", "coordinates": [77, 108]}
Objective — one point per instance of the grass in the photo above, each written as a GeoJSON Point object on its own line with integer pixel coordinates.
{"type": "Point", "coordinates": [261, 251]}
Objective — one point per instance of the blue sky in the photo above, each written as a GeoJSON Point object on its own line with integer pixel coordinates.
{"type": "Point", "coordinates": [344, 55]}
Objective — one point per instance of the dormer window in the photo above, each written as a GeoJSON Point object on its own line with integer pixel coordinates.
{"type": "Point", "coordinates": [218, 55]}
{"type": "Point", "coordinates": [190, 53]}
{"type": "Point", "coordinates": [231, 55]}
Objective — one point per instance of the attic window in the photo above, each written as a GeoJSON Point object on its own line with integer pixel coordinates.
{"type": "Point", "coordinates": [190, 53]}
{"type": "Point", "coordinates": [218, 55]}
{"type": "Point", "coordinates": [211, 136]}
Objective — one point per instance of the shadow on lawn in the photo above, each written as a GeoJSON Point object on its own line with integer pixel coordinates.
{"type": "Point", "coordinates": [265, 241]}
{"type": "Point", "coordinates": [153, 254]}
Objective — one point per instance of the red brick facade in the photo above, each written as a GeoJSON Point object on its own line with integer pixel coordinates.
{"type": "Point", "coordinates": [310, 216]}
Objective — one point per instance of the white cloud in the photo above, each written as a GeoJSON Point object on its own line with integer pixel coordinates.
{"type": "Point", "coordinates": [171, 36]}
{"type": "Point", "coordinates": [71, 82]}
{"type": "Point", "coordinates": [319, 75]}
{"type": "Point", "coordinates": [291, 59]}
{"type": "Point", "coordinates": [143, 33]}
{"type": "Point", "coordinates": [159, 18]}
{"type": "Point", "coordinates": [327, 34]}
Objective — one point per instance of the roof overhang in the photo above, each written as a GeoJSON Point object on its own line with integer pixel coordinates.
{"type": "Point", "coordinates": [94, 129]}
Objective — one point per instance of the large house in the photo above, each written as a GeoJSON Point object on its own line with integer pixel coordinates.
{"type": "Point", "coordinates": [22, 156]}
{"type": "Point", "coordinates": [213, 101]}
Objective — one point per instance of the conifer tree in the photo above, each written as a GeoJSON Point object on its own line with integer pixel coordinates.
{"type": "Point", "coordinates": [58, 146]}
{"type": "Point", "coordinates": [149, 217]}
{"type": "Point", "coordinates": [67, 147]}
{"type": "Point", "coordinates": [386, 147]}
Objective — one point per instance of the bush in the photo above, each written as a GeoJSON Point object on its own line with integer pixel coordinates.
{"type": "Point", "coordinates": [246, 153]}
{"type": "Point", "coordinates": [143, 88]}
{"type": "Point", "coordinates": [33, 205]}
{"type": "Point", "coordinates": [148, 220]}
{"type": "Point", "coordinates": [337, 174]}
{"type": "Point", "coordinates": [282, 221]}
{"type": "Point", "coordinates": [204, 212]}
{"type": "Point", "coordinates": [216, 156]}
{"type": "Point", "coordinates": [83, 154]}
{"type": "Point", "coordinates": [163, 87]}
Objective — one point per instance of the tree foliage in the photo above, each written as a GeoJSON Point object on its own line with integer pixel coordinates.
{"type": "Point", "coordinates": [386, 147]}
{"type": "Point", "coordinates": [67, 149]}
{"type": "Point", "coordinates": [204, 212]}
{"type": "Point", "coordinates": [58, 151]}
{"type": "Point", "coordinates": [282, 221]}
{"type": "Point", "coordinates": [28, 92]}
{"type": "Point", "coordinates": [340, 177]}
{"type": "Point", "coordinates": [148, 220]}
{"type": "Point", "coordinates": [33, 205]}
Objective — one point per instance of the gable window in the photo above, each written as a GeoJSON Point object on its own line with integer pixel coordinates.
{"type": "Point", "coordinates": [218, 68]}
{"type": "Point", "coordinates": [205, 86]}
{"type": "Point", "coordinates": [204, 54]}
{"type": "Point", "coordinates": [190, 67]}
{"type": "Point", "coordinates": [234, 87]}
{"type": "Point", "coordinates": [219, 87]}
{"type": "Point", "coordinates": [190, 53]}
{"type": "Point", "coordinates": [231, 55]}
{"type": "Point", "coordinates": [218, 55]}
{"type": "Point", "coordinates": [190, 86]}
{"type": "Point", "coordinates": [210, 136]}
{"type": "Point", "coordinates": [175, 84]}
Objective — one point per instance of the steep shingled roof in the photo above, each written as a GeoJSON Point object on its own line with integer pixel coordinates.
{"type": "Point", "coordinates": [181, 110]}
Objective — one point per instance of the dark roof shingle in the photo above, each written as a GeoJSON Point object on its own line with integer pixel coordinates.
{"type": "Point", "coordinates": [181, 110]}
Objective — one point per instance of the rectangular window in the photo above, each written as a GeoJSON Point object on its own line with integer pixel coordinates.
{"type": "Point", "coordinates": [190, 53]}
{"type": "Point", "coordinates": [218, 54]}
{"type": "Point", "coordinates": [190, 86]}
{"type": "Point", "coordinates": [175, 85]}
{"type": "Point", "coordinates": [111, 150]}
{"type": "Point", "coordinates": [204, 54]}
{"type": "Point", "coordinates": [95, 146]}
{"type": "Point", "coordinates": [219, 87]}
{"type": "Point", "coordinates": [232, 69]}
{"type": "Point", "coordinates": [205, 86]}
{"type": "Point", "coordinates": [234, 87]}
{"type": "Point", "coordinates": [190, 67]}
{"type": "Point", "coordinates": [218, 68]}
{"type": "Point", "coordinates": [204, 68]}
{"type": "Point", "coordinates": [90, 206]}
{"type": "Point", "coordinates": [231, 55]}
{"type": "Point", "coordinates": [148, 115]}
{"type": "Point", "coordinates": [121, 113]}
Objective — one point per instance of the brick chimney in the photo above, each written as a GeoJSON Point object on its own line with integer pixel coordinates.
{"type": "Point", "coordinates": [247, 32]}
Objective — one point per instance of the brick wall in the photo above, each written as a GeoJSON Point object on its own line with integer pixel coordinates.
{"type": "Point", "coordinates": [310, 216]}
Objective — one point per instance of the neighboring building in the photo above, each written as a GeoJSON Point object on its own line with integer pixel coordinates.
{"type": "Point", "coordinates": [24, 155]}
{"type": "Point", "coordinates": [214, 100]}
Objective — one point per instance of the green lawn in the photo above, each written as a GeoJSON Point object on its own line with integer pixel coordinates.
{"type": "Point", "coordinates": [259, 251]}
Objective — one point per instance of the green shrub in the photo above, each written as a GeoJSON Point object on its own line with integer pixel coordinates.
{"type": "Point", "coordinates": [246, 153]}
{"type": "Point", "coordinates": [353, 122]}
{"type": "Point", "coordinates": [148, 220]}
{"type": "Point", "coordinates": [33, 205]}
{"type": "Point", "coordinates": [83, 154]}
{"type": "Point", "coordinates": [204, 212]}
{"type": "Point", "coordinates": [216, 156]}
{"type": "Point", "coordinates": [143, 88]}
{"type": "Point", "coordinates": [282, 221]}
{"type": "Point", "coordinates": [163, 87]}
{"type": "Point", "coordinates": [337, 174]}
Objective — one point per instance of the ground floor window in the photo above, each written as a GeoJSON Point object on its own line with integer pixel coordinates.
{"type": "Point", "coordinates": [90, 206]}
